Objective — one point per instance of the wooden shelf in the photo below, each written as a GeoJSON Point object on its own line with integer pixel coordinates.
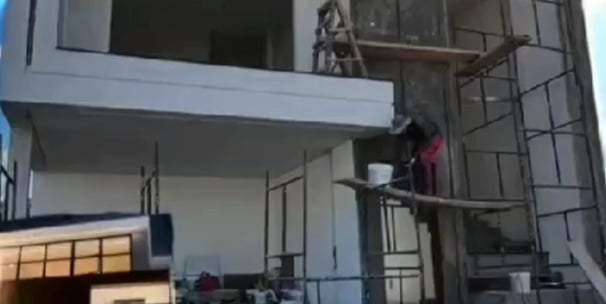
{"type": "Point", "coordinates": [435, 201]}
{"type": "Point", "coordinates": [401, 51]}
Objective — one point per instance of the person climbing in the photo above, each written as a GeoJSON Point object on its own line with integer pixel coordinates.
{"type": "Point", "coordinates": [421, 140]}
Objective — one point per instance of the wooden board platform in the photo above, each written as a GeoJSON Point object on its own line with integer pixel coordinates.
{"type": "Point", "coordinates": [494, 56]}
{"type": "Point", "coordinates": [435, 201]}
{"type": "Point", "coordinates": [476, 61]}
{"type": "Point", "coordinates": [401, 51]}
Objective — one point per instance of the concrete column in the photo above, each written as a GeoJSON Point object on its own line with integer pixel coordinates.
{"type": "Point", "coordinates": [305, 19]}
{"type": "Point", "coordinates": [346, 232]}
{"type": "Point", "coordinates": [20, 151]}
{"type": "Point", "coordinates": [86, 24]}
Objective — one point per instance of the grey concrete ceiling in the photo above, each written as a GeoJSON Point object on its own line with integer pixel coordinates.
{"type": "Point", "coordinates": [84, 140]}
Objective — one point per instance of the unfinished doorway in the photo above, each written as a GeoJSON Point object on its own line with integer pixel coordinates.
{"type": "Point", "coordinates": [183, 30]}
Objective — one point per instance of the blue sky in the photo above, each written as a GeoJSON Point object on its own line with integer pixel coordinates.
{"type": "Point", "coordinates": [3, 124]}
{"type": "Point", "coordinates": [595, 11]}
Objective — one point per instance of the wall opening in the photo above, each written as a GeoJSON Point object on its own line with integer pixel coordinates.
{"type": "Point", "coordinates": [250, 34]}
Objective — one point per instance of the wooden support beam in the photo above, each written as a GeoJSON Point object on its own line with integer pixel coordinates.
{"type": "Point", "coordinates": [592, 270]}
{"type": "Point", "coordinates": [408, 52]}
{"type": "Point", "coordinates": [494, 56]}
{"type": "Point", "coordinates": [436, 201]}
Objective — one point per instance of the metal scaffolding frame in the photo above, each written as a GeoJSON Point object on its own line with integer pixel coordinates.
{"type": "Point", "coordinates": [387, 210]}
{"type": "Point", "coordinates": [9, 193]}
{"type": "Point", "coordinates": [283, 256]}
{"type": "Point", "coordinates": [575, 128]}
{"type": "Point", "coordinates": [150, 183]}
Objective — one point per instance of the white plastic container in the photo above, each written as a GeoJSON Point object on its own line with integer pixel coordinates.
{"type": "Point", "coordinates": [379, 174]}
{"type": "Point", "coordinates": [520, 282]}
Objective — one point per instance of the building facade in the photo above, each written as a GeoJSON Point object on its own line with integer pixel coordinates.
{"type": "Point", "coordinates": [226, 93]}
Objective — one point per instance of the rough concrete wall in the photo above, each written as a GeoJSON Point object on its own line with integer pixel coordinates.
{"type": "Point", "coordinates": [560, 159]}
{"type": "Point", "coordinates": [555, 161]}
{"type": "Point", "coordinates": [488, 125]}
{"type": "Point", "coordinates": [419, 88]}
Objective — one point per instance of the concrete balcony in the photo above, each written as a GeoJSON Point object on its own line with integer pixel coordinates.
{"type": "Point", "coordinates": [72, 64]}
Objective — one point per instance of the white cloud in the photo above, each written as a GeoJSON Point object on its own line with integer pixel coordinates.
{"type": "Point", "coordinates": [595, 6]}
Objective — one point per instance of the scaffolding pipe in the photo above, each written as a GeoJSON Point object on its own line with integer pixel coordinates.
{"type": "Point", "coordinates": [142, 190]}
{"type": "Point", "coordinates": [157, 178]}
{"type": "Point", "coordinates": [305, 295]}
{"type": "Point", "coordinates": [266, 224]}
{"type": "Point", "coordinates": [14, 197]}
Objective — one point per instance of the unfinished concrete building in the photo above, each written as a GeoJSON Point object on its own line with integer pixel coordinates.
{"type": "Point", "coordinates": [258, 120]}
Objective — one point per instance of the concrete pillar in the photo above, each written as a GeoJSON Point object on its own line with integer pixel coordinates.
{"type": "Point", "coordinates": [20, 151]}
{"type": "Point", "coordinates": [346, 232]}
{"type": "Point", "coordinates": [305, 19]}
{"type": "Point", "coordinates": [86, 24]}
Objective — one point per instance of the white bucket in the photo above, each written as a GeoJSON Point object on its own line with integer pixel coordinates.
{"type": "Point", "coordinates": [379, 174]}
{"type": "Point", "coordinates": [520, 282]}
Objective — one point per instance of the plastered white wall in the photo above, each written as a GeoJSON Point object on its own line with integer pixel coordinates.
{"type": "Point", "coordinates": [224, 217]}
{"type": "Point", "coordinates": [332, 223]}
{"type": "Point", "coordinates": [305, 20]}
{"type": "Point", "coordinates": [211, 217]}
{"type": "Point", "coordinates": [483, 168]}
{"type": "Point", "coordinates": [402, 223]}
{"type": "Point", "coordinates": [117, 82]}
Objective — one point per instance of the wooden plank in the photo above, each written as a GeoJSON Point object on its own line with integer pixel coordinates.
{"type": "Point", "coordinates": [590, 267]}
{"type": "Point", "coordinates": [491, 58]}
{"type": "Point", "coordinates": [436, 201]}
{"type": "Point", "coordinates": [408, 52]}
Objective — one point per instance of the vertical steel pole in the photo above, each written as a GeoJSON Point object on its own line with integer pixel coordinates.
{"type": "Point", "coordinates": [157, 178]}
{"type": "Point", "coordinates": [142, 190]}
{"type": "Point", "coordinates": [14, 198]}
{"type": "Point", "coordinates": [266, 225]}
{"type": "Point", "coordinates": [305, 295]}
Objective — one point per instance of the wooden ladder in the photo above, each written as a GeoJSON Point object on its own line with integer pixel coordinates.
{"type": "Point", "coordinates": [333, 20]}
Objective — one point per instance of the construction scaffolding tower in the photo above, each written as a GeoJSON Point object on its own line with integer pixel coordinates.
{"type": "Point", "coordinates": [499, 241]}
{"type": "Point", "coordinates": [547, 120]}
{"type": "Point", "coordinates": [150, 183]}
{"type": "Point", "coordinates": [287, 274]}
